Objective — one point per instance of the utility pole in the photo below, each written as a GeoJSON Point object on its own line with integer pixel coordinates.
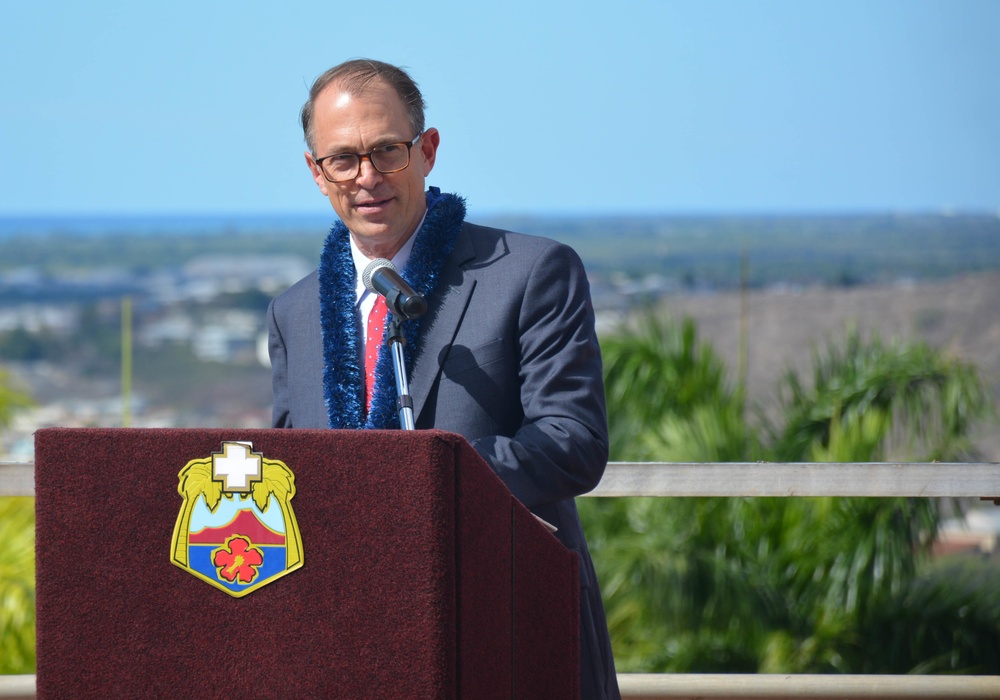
{"type": "Point", "coordinates": [743, 359]}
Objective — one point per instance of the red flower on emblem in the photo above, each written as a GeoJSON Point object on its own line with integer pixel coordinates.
{"type": "Point", "coordinates": [240, 560]}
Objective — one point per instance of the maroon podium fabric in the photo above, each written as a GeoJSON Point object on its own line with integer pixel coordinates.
{"type": "Point", "coordinates": [422, 576]}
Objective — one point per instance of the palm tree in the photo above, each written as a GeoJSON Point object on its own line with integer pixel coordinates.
{"type": "Point", "coordinates": [870, 401]}
{"type": "Point", "coordinates": [903, 398]}
{"type": "Point", "coordinates": [660, 379]}
{"type": "Point", "coordinates": [787, 585]}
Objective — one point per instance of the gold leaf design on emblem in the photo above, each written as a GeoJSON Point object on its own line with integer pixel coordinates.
{"type": "Point", "coordinates": [198, 480]}
{"type": "Point", "coordinates": [194, 480]}
{"type": "Point", "coordinates": [279, 481]}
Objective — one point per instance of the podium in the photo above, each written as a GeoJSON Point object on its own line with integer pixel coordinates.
{"type": "Point", "coordinates": [420, 577]}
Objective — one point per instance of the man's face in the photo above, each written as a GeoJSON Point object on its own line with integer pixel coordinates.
{"type": "Point", "coordinates": [380, 209]}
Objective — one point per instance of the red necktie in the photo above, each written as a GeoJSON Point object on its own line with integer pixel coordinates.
{"type": "Point", "coordinates": [373, 341]}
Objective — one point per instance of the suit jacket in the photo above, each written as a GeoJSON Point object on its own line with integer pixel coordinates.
{"type": "Point", "coordinates": [508, 358]}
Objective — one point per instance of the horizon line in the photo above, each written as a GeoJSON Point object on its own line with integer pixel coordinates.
{"type": "Point", "coordinates": [329, 215]}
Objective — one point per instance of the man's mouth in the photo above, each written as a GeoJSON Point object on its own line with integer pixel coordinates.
{"type": "Point", "coordinates": [374, 204]}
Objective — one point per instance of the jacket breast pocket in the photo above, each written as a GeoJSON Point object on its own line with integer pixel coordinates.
{"type": "Point", "coordinates": [462, 359]}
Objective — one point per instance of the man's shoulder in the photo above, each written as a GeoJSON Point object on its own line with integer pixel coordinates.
{"type": "Point", "coordinates": [496, 233]}
{"type": "Point", "coordinates": [489, 241]}
{"type": "Point", "coordinates": [305, 289]}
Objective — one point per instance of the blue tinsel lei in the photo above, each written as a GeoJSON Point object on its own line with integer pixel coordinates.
{"type": "Point", "coordinates": [343, 371]}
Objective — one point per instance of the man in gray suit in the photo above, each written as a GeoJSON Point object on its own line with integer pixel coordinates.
{"type": "Point", "coordinates": [506, 354]}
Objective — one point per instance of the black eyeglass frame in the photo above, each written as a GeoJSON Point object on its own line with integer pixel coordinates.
{"type": "Point", "coordinates": [368, 156]}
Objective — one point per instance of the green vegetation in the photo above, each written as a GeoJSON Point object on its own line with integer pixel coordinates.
{"type": "Point", "coordinates": [17, 562]}
{"type": "Point", "coordinates": [10, 399]}
{"type": "Point", "coordinates": [752, 584]}
{"type": "Point", "coordinates": [691, 585]}
{"type": "Point", "coordinates": [787, 585]}
{"type": "Point", "coordinates": [17, 585]}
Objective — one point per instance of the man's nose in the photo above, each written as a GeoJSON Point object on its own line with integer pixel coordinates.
{"type": "Point", "coordinates": [368, 176]}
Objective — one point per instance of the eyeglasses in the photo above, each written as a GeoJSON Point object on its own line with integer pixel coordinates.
{"type": "Point", "coordinates": [391, 158]}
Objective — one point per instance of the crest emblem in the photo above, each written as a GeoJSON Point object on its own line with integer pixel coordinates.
{"type": "Point", "coordinates": [236, 529]}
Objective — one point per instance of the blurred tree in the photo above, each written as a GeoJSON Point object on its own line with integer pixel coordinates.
{"type": "Point", "coordinates": [780, 585]}
{"type": "Point", "coordinates": [667, 396]}
{"type": "Point", "coordinates": [10, 399]}
{"type": "Point", "coordinates": [17, 560]}
{"type": "Point", "coordinates": [869, 399]}
{"type": "Point", "coordinates": [17, 585]}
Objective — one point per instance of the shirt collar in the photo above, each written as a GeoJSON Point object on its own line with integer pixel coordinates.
{"type": "Point", "coordinates": [399, 261]}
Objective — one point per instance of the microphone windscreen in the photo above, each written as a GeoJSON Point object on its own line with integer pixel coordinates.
{"type": "Point", "coordinates": [371, 268]}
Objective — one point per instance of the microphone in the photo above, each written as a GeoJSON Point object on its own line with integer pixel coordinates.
{"type": "Point", "coordinates": [381, 277]}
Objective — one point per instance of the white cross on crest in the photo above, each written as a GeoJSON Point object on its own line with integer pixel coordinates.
{"type": "Point", "coordinates": [235, 465]}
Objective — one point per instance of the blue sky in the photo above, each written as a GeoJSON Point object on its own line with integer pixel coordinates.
{"type": "Point", "coordinates": [628, 107]}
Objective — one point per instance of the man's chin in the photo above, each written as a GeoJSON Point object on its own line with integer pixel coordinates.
{"type": "Point", "coordinates": [376, 240]}
{"type": "Point", "coordinates": [373, 230]}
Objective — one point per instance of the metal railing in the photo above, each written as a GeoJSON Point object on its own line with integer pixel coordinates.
{"type": "Point", "coordinates": [787, 479]}
{"type": "Point", "coordinates": [879, 479]}
{"type": "Point", "coordinates": [17, 479]}
{"type": "Point", "coordinates": [791, 479]}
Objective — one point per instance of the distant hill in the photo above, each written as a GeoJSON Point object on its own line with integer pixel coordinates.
{"type": "Point", "coordinates": [960, 316]}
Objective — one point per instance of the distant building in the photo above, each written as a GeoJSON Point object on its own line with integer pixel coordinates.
{"type": "Point", "coordinates": [36, 318]}
{"type": "Point", "coordinates": [228, 336]}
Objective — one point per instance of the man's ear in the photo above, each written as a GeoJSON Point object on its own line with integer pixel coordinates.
{"type": "Point", "coordinates": [317, 174]}
{"type": "Point", "coordinates": [429, 143]}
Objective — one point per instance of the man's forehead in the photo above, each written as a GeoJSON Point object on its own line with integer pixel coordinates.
{"type": "Point", "coordinates": [342, 99]}
{"type": "Point", "coordinates": [344, 115]}
{"type": "Point", "coordinates": [344, 91]}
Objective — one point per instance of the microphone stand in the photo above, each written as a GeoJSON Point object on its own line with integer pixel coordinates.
{"type": "Point", "coordinates": [404, 402]}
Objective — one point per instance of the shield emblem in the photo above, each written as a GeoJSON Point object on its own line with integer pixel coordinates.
{"type": "Point", "coordinates": [236, 529]}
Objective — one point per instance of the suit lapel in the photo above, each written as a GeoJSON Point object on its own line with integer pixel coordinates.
{"type": "Point", "coordinates": [445, 315]}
